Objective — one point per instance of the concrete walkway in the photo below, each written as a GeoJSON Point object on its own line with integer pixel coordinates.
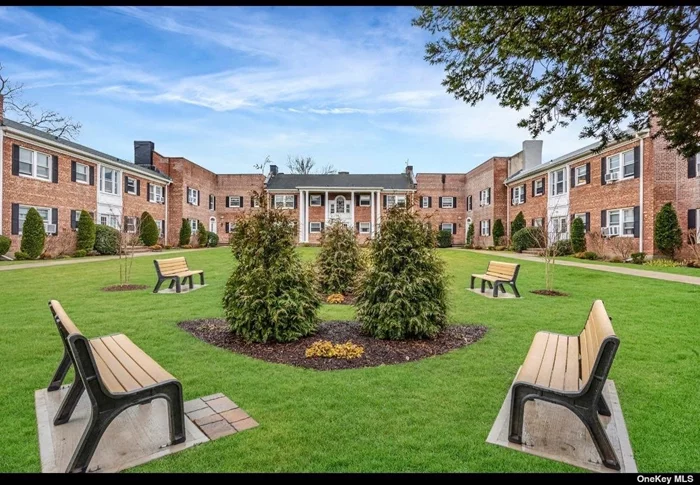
{"type": "Point", "coordinates": [93, 259]}
{"type": "Point", "coordinates": [656, 275]}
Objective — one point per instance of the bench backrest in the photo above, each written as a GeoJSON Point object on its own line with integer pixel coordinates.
{"type": "Point", "coordinates": [171, 266]}
{"type": "Point", "coordinates": [506, 271]}
{"type": "Point", "coordinates": [65, 325]}
{"type": "Point", "coordinates": [597, 344]}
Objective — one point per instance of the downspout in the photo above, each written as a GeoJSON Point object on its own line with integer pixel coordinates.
{"type": "Point", "coordinates": [167, 227]}
{"type": "Point", "coordinates": [641, 193]}
{"type": "Point", "coordinates": [508, 202]}
{"type": "Point", "coordinates": [2, 167]}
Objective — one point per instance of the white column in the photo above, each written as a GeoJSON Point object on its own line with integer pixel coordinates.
{"type": "Point", "coordinates": [352, 210]}
{"type": "Point", "coordinates": [371, 214]}
{"type": "Point", "coordinates": [301, 221]}
{"type": "Point", "coordinates": [306, 218]}
{"type": "Point", "coordinates": [379, 209]}
{"type": "Point", "coordinates": [327, 208]}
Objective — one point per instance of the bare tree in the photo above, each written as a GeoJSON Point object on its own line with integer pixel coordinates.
{"type": "Point", "coordinates": [31, 115]}
{"type": "Point", "coordinates": [305, 165]}
{"type": "Point", "coordinates": [545, 239]}
{"type": "Point", "coordinates": [622, 246]}
{"type": "Point", "coordinates": [694, 246]}
{"type": "Point", "coordinates": [327, 169]}
{"type": "Point", "coordinates": [263, 165]}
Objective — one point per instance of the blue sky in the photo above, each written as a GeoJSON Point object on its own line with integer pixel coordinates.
{"type": "Point", "coordinates": [225, 87]}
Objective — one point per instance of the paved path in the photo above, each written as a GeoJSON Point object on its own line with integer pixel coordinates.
{"type": "Point", "coordinates": [657, 275]}
{"type": "Point", "coordinates": [90, 259]}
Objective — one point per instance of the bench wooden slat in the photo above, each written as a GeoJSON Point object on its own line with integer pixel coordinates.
{"type": "Point", "coordinates": [108, 379]}
{"type": "Point", "coordinates": [559, 371]}
{"type": "Point", "coordinates": [531, 367]}
{"type": "Point", "coordinates": [125, 379]}
{"type": "Point", "coordinates": [545, 374]}
{"type": "Point", "coordinates": [145, 361]}
{"type": "Point", "coordinates": [571, 378]}
{"type": "Point", "coordinates": [131, 366]}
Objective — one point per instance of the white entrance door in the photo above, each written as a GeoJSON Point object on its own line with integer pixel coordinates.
{"type": "Point", "coordinates": [340, 210]}
{"type": "Point", "coordinates": [212, 225]}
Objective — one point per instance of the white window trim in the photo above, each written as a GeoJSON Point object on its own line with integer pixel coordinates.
{"type": "Point", "coordinates": [194, 225]}
{"type": "Point", "coordinates": [192, 196]}
{"type": "Point", "coordinates": [365, 200]}
{"type": "Point", "coordinates": [110, 218]}
{"type": "Point", "coordinates": [582, 216]}
{"type": "Point", "coordinates": [130, 179]}
{"type": "Point", "coordinates": [485, 197]}
{"type": "Point", "coordinates": [553, 178]}
{"type": "Point", "coordinates": [577, 175]}
{"type": "Point", "coordinates": [49, 219]}
{"type": "Point", "coordinates": [697, 165]}
{"type": "Point", "coordinates": [161, 227]}
{"type": "Point", "coordinates": [212, 200]}
{"type": "Point", "coordinates": [537, 220]}
{"type": "Point", "coordinates": [539, 188]}
{"type": "Point", "coordinates": [364, 227]}
{"type": "Point", "coordinates": [157, 191]}
{"type": "Point", "coordinates": [116, 175]}
{"type": "Point", "coordinates": [450, 224]}
{"type": "Point", "coordinates": [469, 203]}
{"type": "Point", "coordinates": [315, 200]}
{"type": "Point", "coordinates": [519, 194]}
{"type": "Point", "coordinates": [135, 224]}
{"type": "Point", "coordinates": [238, 199]}
{"type": "Point", "coordinates": [283, 199]}
{"type": "Point", "coordinates": [394, 199]}
{"type": "Point", "coordinates": [87, 173]}
{"type": "Point", "coordinates": [33, 157]}
{"type": "Point", "coordinates": [313, 225]}
{"type": "Point", "coordinates": [450, 205]}
{"type": "Point", "coordinates": [485, 228]}
{"type": "Point", "coordinates": [621, 166]}
{"type": "Point", "coordinates": [621, 219]}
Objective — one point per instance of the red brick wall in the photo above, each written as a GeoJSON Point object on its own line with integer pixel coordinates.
{"type": "Point", "coordinates": [65, 196]}
{"type": "Point", "coordinates": [244, 185]}
{"type": "Point", "coordinates": [431, 185]}
{"type": "Point", "coordinates": [534, 206]}
{"type": "Point", "coordinates": [491, 173]}
{"type": "Point", "coordinates": [135, 205]}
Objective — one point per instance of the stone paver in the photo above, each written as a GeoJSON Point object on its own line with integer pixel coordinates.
{"type": "Point", "coordinates": [218, 429]}
{"type": "Point", "coordinates": [234, 415]}
{"type": "Point", "coordinates": [212, 396]}
{"type": "Point", "coordinates": [217, 416]}
{"type": "Point", "coordinates": [194, 405]}
{"type": "Point", "coordinates": [656, 275]}
{"type": "Point", "coordinates": [208, 419]}
{"type": "Point", "coordinates": [222, 404]}
{"type": "Point", "coordinates": [201, 413]}
{"type": "Point", "coordinates": [245, 424]}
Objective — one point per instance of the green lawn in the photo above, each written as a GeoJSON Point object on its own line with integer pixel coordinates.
{"type": "Point", "coordinates": [431, 415]}
{"type": "Point", "coordinates": [684, 270]}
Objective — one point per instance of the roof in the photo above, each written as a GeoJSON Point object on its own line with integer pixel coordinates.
{"type": "Point", "coordinates": [70, 145]}
{"type": "Point", "coordinates": [283, 181]}
{"type": "Point", "coordinates": [587, 150]}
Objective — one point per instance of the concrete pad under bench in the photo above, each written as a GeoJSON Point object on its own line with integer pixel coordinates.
{"type": "Point", "coordinates": [185, 289]}
{"type": "Point", "coordinates": [489, 294]}
{"type": "Point", "coordinates": [552, 431]}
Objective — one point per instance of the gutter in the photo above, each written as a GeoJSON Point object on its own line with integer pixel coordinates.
{"type": "Point", "coordinates": [39, 141]}
{"type": "Point", "coordinates": [641, 193]}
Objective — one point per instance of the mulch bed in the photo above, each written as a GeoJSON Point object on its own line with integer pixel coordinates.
{"type": "Point", "coordinates": [376, 352]}
{"type": "Point", "coordinates": [549, 293]}
{"type": "Point", "coordinates": [124, 287]}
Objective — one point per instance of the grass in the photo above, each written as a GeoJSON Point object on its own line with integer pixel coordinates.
{"type": "Point", "coordinates": [430, 415]}
{"type": "Point", "coordinates": [683, 270]}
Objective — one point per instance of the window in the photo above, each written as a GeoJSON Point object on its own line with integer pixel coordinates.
{"type": "Point", "coordinates": [130, 186]}
{"type": "Point", "coordinates": [582, 216]}
{"type": "Point", "coordinates": [82, 172]}
{"type": "Point", "coordinates": [34, 164]}
{"type": "Point", "coordinates": [626, 159]}
{"type": "Point", "coordinates": [581, 175]}
{"type": "Point", "coordinates": [485, 197]}
{"type": "Point", "coordinates": [446, 226]}
{"type": "Point", "coordinates": [109, 180]}
{"type": "Point", "coordinates": [315, 201]}
{"type": "Point", "coordinates": [315, 227]}
{"type": "Point", "coordinates": [340, 207]}
{"type": "Point", "coordinates": [365, 201]}
{"type": "Point", "coordinates": [558, 182]}
{"type": "Point", "coordinates": [424, 202]}
{"type": "Point", "coordinates": [469, 203]}
{"type": "Point", "coordinates": [392, 200]}
{"type": "Point", "coordinates": [519, 195]}
{"type": "Point", "coordinates": [485, 228]}
{"type": "Point", "coordinates": [77, 218]}
{"type": "Point", "coordinates": [447, 202]}
{"type": "Point", "coordinates": [155, 193]}
{"type": "Point", "coordinates": [538, 222]}
{"type": "Point", "coordinates": [131, 224]}
{"type": "Point", "coordinates": [45, 213]}
{"type": "Point", "coordinates": [539, 187]}
{"type": "Point", "coordinates": [212, 202]}
{"type": "Point", "coordinates": [161, 227]}
{"type": "Point", "coordinates": [284, 202]}
{"type": "Point", "coordinates": [192, 196]}
{"type": "Point", "coordinates": [110, 220]}
{"type": "Point", "coordinates": [234, 201]}
{"type": "Point", "coordinates": [623, 220]}
{"type": "Point", "coordinates": [697, 165]}
{"type": "Point", "coordinates": [194, 225]}
{"type": "Point", "coordinates": [559, 225]}
{"type": "Point", "coordinates": [364, 227]}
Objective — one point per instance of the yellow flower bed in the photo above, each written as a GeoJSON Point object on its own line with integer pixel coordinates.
{"type": "Point", "coordinates": [325, 348]}
{"type": "Point", "coordinates": [335, 298]}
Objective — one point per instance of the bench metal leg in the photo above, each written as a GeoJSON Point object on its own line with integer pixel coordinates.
{"type": "Point", "coordinates": [201, 279]}
{"type": "Point", "coordinates": [178, 286]}
{"type": "Point", "coordinates": [520, 395]}
{"type": "Point", "coordinates": [191, 281]}
{"type": "Point", "coordinates": [600, 438]}
{"type": "Point", "coordinates": [515, 290]}
{"type": "Point", "coordinates": [483, 286]}
{"type": "Point", "coordinates": [60, 373]}
{"type": "Point", "coordinates": [176, 416]}
{"type": "Point", "coordinates": [471, 284]}
{"type": "Point", "coordinates": [172, 283]}
{"type": "Point", "coordinates": [603, 407]}
{"type": "Point", "coordinates": [496, 285]}
{"type": "Point", "coordinates": [69, 402]}
{"type": "Point", "coordinates": [160, 282]}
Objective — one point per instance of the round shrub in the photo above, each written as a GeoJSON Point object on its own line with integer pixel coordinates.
{"type": "Point", "coordinates": [444, 239]}
{"type": "Point", "coordinates": [338, 261]}
{"type": "Point", "coordinates": [5, 243]}
{"type": "Point", "coordinates": [470, 236]}
{"type": "Point", "coordinates": [526, 238]}
{"type": "Point", "coordinates": [33, 234]}
{"type": "Point", "coordinates": [270, 295]}
{"type": "Point", "coordinates": [21, 255]}
{"type": "Point", "coordinates": [86, 232]}
{"type": "Point", "coordinates": [517, 223]}
{"type": "Point", "coordinates": [185, 233]}
{"type": "Point", "coordinates": [149, 230]}
{"type": "Point", "coordinates": [106, 239]}
{"type": "Point", "coordinates": [80, 253]}
{"type": "Point", "coordinates": [202, 235]}
{"type": "Point", "coordinates": [212, 239]}
{"type": "Point", "coordinates": [638, 258]}
{"type": "Point", "coordinates": [562, 248]}
{"type": "Point", "coordinates": [403, 294]}
{"type": "Point", "coordinates": [668, 236]}
{"type": "Point", "coordinates": [578, 236]}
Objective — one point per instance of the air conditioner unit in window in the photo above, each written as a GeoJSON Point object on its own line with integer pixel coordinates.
{"type": "Point", "coordinates": [612, 176]}
{"type": "Point", "coordinates": [611, 231]}
{"type": "Point", "coordinates": [516, 202]}
{"type": "Point", "coordinates": [160, 199]}
{"type": "Point", "coordinates": [50, 228]}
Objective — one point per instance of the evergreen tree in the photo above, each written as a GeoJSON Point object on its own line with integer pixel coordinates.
{"type": "Point", "coordinates": [470, 235]}
{"type": "Point", "coordinates": [578, 236]}
{"type": "Point", "coordinates": [86, 232]}
{"type": "Point", "coordinates": [185, 232]}
{"type": "Point", "coordinates": [498, 232]}
{"type": "Point", "coordinates": [517, 223]}
{"type": "Point", "coordinates": [202, 235]}
{"type": "Point", "coordinates": [149, 230]}
{"type": "Point", "coordinates": [668, 236]}
{"type": "Point", "coordinates": [339, 260]}
{"type": "Point", "coordinates": [33, 234]}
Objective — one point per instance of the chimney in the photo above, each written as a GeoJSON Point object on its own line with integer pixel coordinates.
{"type": "Point", "coordinates": [2, 109]}
{"type": "Point", "coordinates": [409, 170]}
{"type": "Point", "coordinates": [273, 170]}
{"type": "Point", "coordinates": [532, 153]}
{"type": "Point", "coordinates": [143, 153]}
{"type": "Point", "coordinates": [343, 173]}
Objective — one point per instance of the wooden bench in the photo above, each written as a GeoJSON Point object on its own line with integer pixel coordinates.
{"type": "Point", "coordinates": [497, 274]}
{"type": "Point", "coordinates": [116, 375]}
{"type": "Point", "coordinates": [177, 271]}
{"type": "Point", "coordinates": [570, 371]}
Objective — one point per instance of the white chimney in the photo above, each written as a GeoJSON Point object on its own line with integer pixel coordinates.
{"type": "Point", "coordinates": [532, 153]}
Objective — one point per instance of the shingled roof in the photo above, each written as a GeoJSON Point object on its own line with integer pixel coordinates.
{"type": "Point", "coordinates": [283, 181]}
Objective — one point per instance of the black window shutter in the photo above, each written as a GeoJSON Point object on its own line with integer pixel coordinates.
{"type": "Point", "coordinates": [588, 222]}
{"type": "Point", "coordinates": [588, 173]}
{"type": "Point", "coordinates": [602, 171]}
{"type": "Point", "coordinates": [198, 197]}
{"type": "Point", "coordinates": [692, 222]}
{"type": "Point", "coordinates": [573, 177]}
{"type": "Point", "coordinates": [72, 170]}
{"type": "Point", "coordinates": [214, 200]}
{"type": "Point", "coordinates": [322, 200]}
{"type": "Point", "coordinates": [54, 218]}
{"type": "Point", "coordinates": [636, 165]}
{"type": "Point", "coordinates": [533, 188]}
{"type": "Point", "coordinates": [227, 227]}
{"type": "Point", "coordinates": [440, 202]}
{"type": "Point", "coordinates": [187, 194]}
{"type": "Point", "coordinates": [523, 192]}
{"type": "Point", "coordinates": [636, 220]}
{"type": "Point", "coordinates": [228, 201]}
{"type": "Point", "coordinates": [322, 224]}
{"type": "Point", "coordinates": [296, 197]}
{"type": "Point", "coordinates": [572, 217]}
{"type": "Point", "coordinates": [430, 202]}
{"type": "Point", "coordinates": [148, 190]}
{"type": "Point", "coordinates": [543, 185]}
{"type": "Point", "coordinates": [252, 201]}
{"type": "Point", "coordinates": [164, 188]}
{"type": "Point", "coordinates": [55, 169]}
{"type": "Point", "coordinates": [357, 202]}
{"type": "Point", "coordinates": [454, 202]}
{"type": "Point", "coordinates": [15, 219]}
{"type": "Point", "coordinates": [126, 179]}
{"type": "Point", "coordinates": [512, 196]}
{"type": "Point", "coordinates": [532, 222]}
{"type": "Point", "coordinates": [357, 226]}
{"type": "Point", "coordinates": [454, 228]}
{"type": "Point", "coordinates": [73, 222]}
{"type": "Point", "coordinates": [384, 201]}
{"type": "Point", "coordinates": [138, 188]}
{"type": "Point", "coordinates": [92, 175]}
{"type": "Point", "coordinates": [603, 219]}
{"type": "Point", "coordinates": [15, 162]}
{"type": "Point", "coordinates": [692, 167]}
